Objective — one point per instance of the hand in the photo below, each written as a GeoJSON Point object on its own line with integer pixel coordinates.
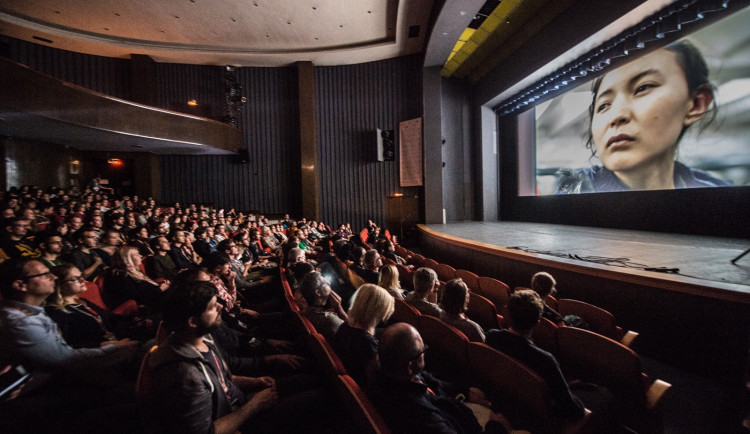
{"type": "Point", "coordinates": [164, 285]}
{"type": "Point", "coordinates": [279, 345]}
{"type": "Point", "coordinates": [290, 360]}
{"type": "Point", "coordinates": [250, 312]}
{"type": "Point", "coordinates": [334, 300]}
{"type": "Point", "coordinates": [264, 399]}
{"type": "Point", "coordinates": [477, 397]}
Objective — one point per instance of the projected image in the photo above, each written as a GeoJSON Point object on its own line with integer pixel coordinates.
{"type": "Point", "coordinates": [677, 117]}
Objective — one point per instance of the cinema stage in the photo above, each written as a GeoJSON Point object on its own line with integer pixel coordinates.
{"type": "Point", "coordinates": [696, 319]}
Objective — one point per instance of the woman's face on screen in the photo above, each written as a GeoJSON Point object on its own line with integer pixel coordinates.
{"type": "Point", "coordinates": [639, 113]}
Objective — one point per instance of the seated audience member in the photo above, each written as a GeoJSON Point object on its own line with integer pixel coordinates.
{"type": "Point", "coordinates": [202, 245]}
{"type": "Point", "coordinates": [84, 324]}
{"type": "Point", "coordinates": [139, 237]}
{"type": "Point", "coordinates": [388, 250]}
{"type": "Point", "coordinates": [13, 243]}
{"type": "Point", "coordinates": [182, 253]}
{"type": "Point", "coordinates": [254, 290]}
{"type": "Point", "coordinates": [324, 308]}
{"type": "Point", "coordinates": [389, 280]}
{"type": "Point", "coordinates": [28, 335]}
{"type": "Point", "coordinates": [411, 400]}
{"type": "Point", "coordinates": [110, 241]}
{"type": "Point", "coordinates": [372, 264]}
{"type": "Point", "coordinates": [544, 284]}
{"type": "Point", "coordinates": [358, 260]}
{"type": "Point", "coordinates": [65, 382]}
{"type": "Point", "coordinates": [295, 255]}
{"type": "Point", "coordinates": [454, 303]}
{"type": "Point", "coordinates": [160, 265]}
{"type": "Point", "coordinates": [525, 310]}
{"type": "Point", "coordinates": [193, 390]}
{"type": "Point", "coordinates": [51, 246]}
{"type": "Point", "coordinates": [355, 341]}
{"type": "Point", "coordinates": [125, 281]}
{"type": "Point", "coordinates": [426, 285]}
{"type": "Point", "coordinates": [83, 256]}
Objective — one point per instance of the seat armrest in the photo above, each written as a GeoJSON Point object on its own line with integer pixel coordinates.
{"type": "Point", "coordinates": [656, 392]}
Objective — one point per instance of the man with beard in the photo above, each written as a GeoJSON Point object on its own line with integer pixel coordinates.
{"type": "Point", "coordinates": [194, 391]}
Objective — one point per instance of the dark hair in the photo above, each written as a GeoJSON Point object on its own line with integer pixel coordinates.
{"type": "Point", "coordinates": [454, 296]}
{"type": "Point", "coordinates": [185, 301]}
{"type": "Point", "coordinates": [692, 63]}
{"type": "Point", "coordinates": [10, 271]}
{"type": "Point", "coordinates": [223, 245]}
{"type": "Point", "coordinates": [215, 259]}
{"type": "Point", "coordinates": [310, 283]}
{"type": "Point", "coordinates": [524, 309]}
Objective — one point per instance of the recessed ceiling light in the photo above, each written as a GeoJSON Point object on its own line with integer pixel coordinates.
{"type": "Point", "coordinates": [192, 102]}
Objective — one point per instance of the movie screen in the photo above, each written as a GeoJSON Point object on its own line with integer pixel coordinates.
{"type": "Point", "coordinates": [676, 117]}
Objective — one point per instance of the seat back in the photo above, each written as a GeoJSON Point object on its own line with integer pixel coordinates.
{"type": "Point", "coordinates": [471, 279]}
{"type": "Point", "coordinates": [405, 277]}
{"type": "Point", "coordinates": [545, 336]}
{"type": "Point", "coordinates": [325, 355]}
{"type": "Point", "coordinates": [366, 418]}
{"type": "Point", "coordinates": [522, 394]}
{"type": "Point", "coordinates": [418, 260]}
{"type": "Point", "coordinates": [403, 312]}
{"type": "Point", "coordinates": [594, 358]}
{"type": "Point", "coordinates": [495, 291]}
{"type": "Point", "coordinates": [93, 295]}
{"type": "Point", "coordinates": [447, 355]}
{"type": "Point", "coordinates": [162, 333]}
{"type": "Point", "coordinates": [482, 311]}
{"type": "Point", "coordinates": [445, 272]}
{"type": "Point", "coordinates": [430, 263]}
{"type": "Point", "coordinates": [363, 235]}
{"type": "Point", "coordinates": [145, 380]}
{"type": "Point", "coordinates": [599, 320]}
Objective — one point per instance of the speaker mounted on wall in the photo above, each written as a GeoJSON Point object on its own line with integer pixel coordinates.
{"type": "Point", "coordinates": [386, 145]}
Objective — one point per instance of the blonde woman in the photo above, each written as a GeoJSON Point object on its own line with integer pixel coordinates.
{"type": "Point", "coordinates": [82, 324]}
{"type": "Point", "coordinates": [389, 280]}
{"type": "Point", "coordinates": [125, 281]}
{"type": "Point", "coordinates": [355, 341]}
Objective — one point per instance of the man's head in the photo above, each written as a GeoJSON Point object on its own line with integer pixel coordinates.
{"type": "Point", "coordinates": [18, 227]}
{"type": "Point", "coordinates": [401, 351]}
{"type": "Point", "coordinates": [87, 237]}
{"type": "Point", "coordinates": [112, 238]}
{"type": "Point", "coordinates": [160, 244]}
{"type": "Point", "coordinates": [373, 261]}
{"type": "Point", "coordinates": [192, 308]}
{"type": "Point", "coordinates": [544, 284]}
{"type": "Point", "coordinates": [217, 263]}
{"type": "Point", "coordinates": [315, 288]}
{"type": "Point", "coordinates": [27, 280]}
{"type": "Point", "coordinates": [524, 309]}
{"type": "Point", "coordinates": [228, 246]}
{"type": "Point", "coordinates": [50, 242]}
{"type": "Point", "coordinates": [425, 281]}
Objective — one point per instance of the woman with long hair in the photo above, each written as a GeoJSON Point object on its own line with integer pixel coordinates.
{"type": "Point", "coordinates": [125, 280]}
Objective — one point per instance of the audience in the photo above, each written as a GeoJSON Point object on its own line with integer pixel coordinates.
{"type": "Point", "coordinates": [324, 308]}
{"type": "Point", "coordinates": [388, 279]}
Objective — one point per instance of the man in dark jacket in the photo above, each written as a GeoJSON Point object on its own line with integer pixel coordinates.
{"type": "Point", "coordinates": [193, 390]}
{"type": "Point", "coordinates": [411, 400]}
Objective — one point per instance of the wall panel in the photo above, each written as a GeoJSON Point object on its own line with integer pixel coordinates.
{"type": "Point", "coordinates": [269, 181]}
{"type": "Point", "coordinates": [107, 75]}
{"type": "Point", "coordinates": [353, 101]}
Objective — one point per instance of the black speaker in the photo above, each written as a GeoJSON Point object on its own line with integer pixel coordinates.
{"type": "Point", "coordinates": [386, 145]}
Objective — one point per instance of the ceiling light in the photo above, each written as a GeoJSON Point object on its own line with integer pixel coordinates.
{"type": "Point", "coordinates": [192, 102]}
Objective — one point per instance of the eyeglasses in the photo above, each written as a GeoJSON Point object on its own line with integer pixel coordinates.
{"type": "Point", "coordinates": [47, 274]}
{"type": "Point", "coordinates": [75, 279]}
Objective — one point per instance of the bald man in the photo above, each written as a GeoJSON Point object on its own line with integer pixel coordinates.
{"type": "Point", "coordinates": [411, 400]}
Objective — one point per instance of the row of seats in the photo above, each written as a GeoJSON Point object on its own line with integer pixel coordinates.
{"type": "Point", "coordinates": [601, 355]}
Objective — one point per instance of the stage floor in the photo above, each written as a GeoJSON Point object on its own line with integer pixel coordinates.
{"type": "Point", "coordinates": [697, 257]}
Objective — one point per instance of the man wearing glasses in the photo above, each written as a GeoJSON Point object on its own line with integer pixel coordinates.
{"type": "Point", "coordinates": [412, 400]}
{"type": "Point", "coordinates": [13, 244]}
